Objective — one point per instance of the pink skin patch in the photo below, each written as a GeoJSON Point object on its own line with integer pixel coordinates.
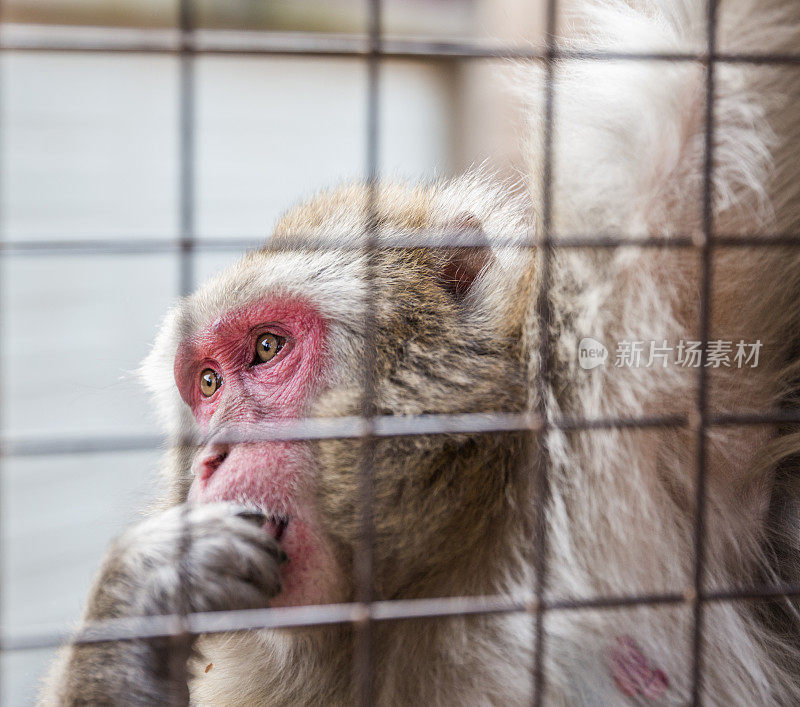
{"type": "Point", "coordinates": [633, 673]}
{"type": "Point", "coordinates": [275, 477]}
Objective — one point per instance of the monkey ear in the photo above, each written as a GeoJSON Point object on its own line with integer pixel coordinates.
{"type": "Point", "coordinates": [466, 254]}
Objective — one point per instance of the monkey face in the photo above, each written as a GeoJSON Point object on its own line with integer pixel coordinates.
{"type": "Point", "coordinates": [265, 362]}
{"type": "Point", "coordinates": [281, 336]}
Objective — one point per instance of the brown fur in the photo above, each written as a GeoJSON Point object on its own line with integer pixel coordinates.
{"type": "Point", "coordinates": [458, 331]}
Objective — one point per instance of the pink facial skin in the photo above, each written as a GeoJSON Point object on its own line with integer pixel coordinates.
{"type": "Point", "coordinates": [275, 477]}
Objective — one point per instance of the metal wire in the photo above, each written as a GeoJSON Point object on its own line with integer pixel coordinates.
{"type": "Point", "coordinates": [373, 47]}
{"type": "Point", "coordinates": [41, 38]}
{"type": "Point", "coordinates": [701, 491]}
{"type": "Point", "coordinates": [363, 664]}
{"type": "Point", "coordinates": [183, 638]}
{"type": "Point", "coordinates": [2, 325]}
{"type": "Point", "coordinates": [155, 246]}
{"type": "Point", "coordinates": [130, 628]}
{"type": "Point", "coordinates": [544, 317]}
{"type": "Point", "coordinates": [186, 155]}
{"type": "Point", "coordinates": [382, 426]}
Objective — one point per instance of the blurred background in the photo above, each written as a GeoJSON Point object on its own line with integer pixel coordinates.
{"type": "Point", "coordinates": [90, 149]}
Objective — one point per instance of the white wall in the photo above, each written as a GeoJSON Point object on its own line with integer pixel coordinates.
{"type": "Point", "coordinates": [89, 148]}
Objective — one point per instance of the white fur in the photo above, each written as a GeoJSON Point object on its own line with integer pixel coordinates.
{"type": "Point", "coordinates": [628, 160]}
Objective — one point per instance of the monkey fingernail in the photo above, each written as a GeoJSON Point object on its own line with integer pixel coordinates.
{"type": "Point", "coordinates": [253, 516]}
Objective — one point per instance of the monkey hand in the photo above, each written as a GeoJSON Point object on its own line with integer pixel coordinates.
{"type": "Point", "coordinates": [210, 557]}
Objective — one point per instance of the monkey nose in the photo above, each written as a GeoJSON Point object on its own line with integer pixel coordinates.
{"type": "Point", "coordinates": [211, 459]}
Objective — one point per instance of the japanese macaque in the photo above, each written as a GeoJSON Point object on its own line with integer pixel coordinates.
{"type": "Point", "coordinates": [282, 336]}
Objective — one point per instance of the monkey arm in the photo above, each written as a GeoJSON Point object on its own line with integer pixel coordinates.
{"type": "Point", "coordinates": [230, 563]}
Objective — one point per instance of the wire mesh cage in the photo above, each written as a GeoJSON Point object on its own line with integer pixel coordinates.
{"type": "Point", "coordinates": [190, 44]}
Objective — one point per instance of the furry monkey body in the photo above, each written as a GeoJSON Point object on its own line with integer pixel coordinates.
{"type": "Point", "coordinates": [280, 336]}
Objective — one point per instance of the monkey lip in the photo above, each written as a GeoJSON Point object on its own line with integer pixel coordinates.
{"type": "Point", "coordinates": [276, 526]}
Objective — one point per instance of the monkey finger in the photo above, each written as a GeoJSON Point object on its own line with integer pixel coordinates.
{"type": "Point", "coordinates": [231, 593]}
{"type": "Point", "coordinates": [254, 516]}
{"type": "Point", "coordinates": [259, 536]}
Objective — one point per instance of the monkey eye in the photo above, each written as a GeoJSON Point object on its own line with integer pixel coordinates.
{"type": "Point", "coordinates": [267, 347]}
{"type": "Point", "coordinates": [210, 382]}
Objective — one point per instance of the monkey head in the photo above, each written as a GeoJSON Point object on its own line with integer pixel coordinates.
{"type": "Point", "coordinates": [281, 336]}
